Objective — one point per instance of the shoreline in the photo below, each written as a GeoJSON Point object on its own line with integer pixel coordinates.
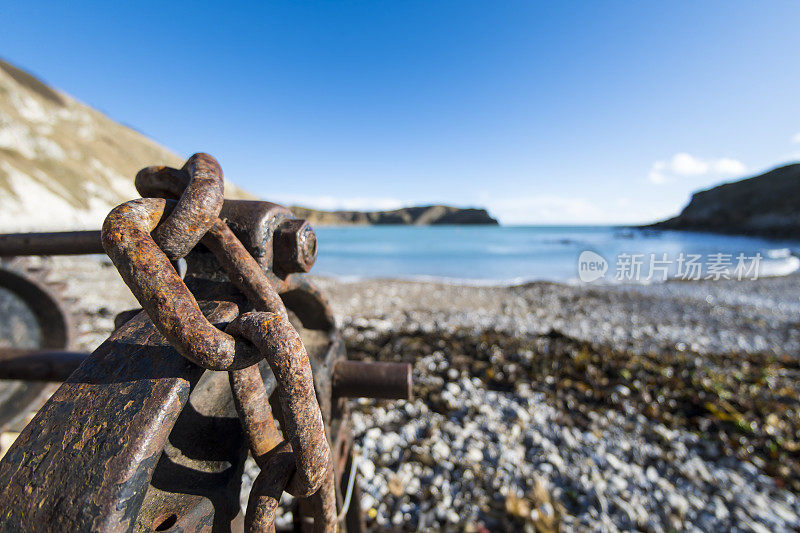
{"type": "Point", "coordinates": [490, 283]}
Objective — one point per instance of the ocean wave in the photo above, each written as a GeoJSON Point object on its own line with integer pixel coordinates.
{"type": "Point", "coordinates": [779, 253]}
{"type": "Point", "coordinates": [780, 263]}
{"type": "Point", "coordinates": [778, 268]}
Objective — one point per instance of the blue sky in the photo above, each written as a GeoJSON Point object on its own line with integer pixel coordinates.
{"type": "Point", "coordinates": [584, 112]}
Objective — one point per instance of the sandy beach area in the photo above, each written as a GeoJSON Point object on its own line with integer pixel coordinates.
{"type": "Point", "coordinates": [544, 406]}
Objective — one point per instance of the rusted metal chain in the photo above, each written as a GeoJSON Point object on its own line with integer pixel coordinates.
{"type": "Point", "coordinates": [324, 502]}
{"type": "Point", "coordinates": [281, 346]}
{"type": "Point", "coordinates": [144, 263]}
{"type": "Point", "coordinates": [135, 390]}
{"type": "Point", "coordinates": [162, 293]}
{"type": "Point", "coordinates": [252, 404]}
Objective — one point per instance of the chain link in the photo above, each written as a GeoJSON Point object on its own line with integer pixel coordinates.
{"type": "Point", "coordinates": [179, 208]}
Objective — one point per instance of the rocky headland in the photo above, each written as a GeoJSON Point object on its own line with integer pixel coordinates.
{"type": "Point", "coordinates": [767, 205]}
{"type": "Point", "coordinates": [418, 216]}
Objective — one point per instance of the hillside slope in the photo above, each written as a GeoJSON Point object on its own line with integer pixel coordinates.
{"type": "Point", "coordinates": [766, 205]}
{"type": "Point", "coordinates": [64, 165]}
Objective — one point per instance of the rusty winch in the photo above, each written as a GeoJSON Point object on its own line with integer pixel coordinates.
{"type": "Point", "coordinates": [233, 352]}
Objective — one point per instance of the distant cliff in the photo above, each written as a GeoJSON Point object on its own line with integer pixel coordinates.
{"type": "Point", "coordinates": [417, 216]}
{"type": "Point", "coordinates": [766, 205]}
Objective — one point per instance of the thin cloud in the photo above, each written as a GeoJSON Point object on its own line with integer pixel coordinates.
{"type": "Point", "coordinates": [546, 209]}
{"type": "Point", "coordinates": [796, 138]}
{"type": "Point", "coordinates": [569, 210]}
{"type": "Point", "coordinates": [334, 203]}
{"type": "Point", "coordinates": [683, 165]}
{"type": "Point", "coordinates": [727, 166]}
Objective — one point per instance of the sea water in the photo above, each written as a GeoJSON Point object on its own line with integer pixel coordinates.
{"type": "Point", "coordinates": [517, 254]}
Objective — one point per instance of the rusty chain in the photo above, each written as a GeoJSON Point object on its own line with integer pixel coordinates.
{"type": "Point", "coordinates": [179, 209]}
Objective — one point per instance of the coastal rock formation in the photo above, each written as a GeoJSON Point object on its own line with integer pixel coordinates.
{"type": "Point", "coordinates": [418, 216]}
{"type": "Point", "coordinates": [64, 165]}
{"type": "Point", "coordinates": [767, 205]}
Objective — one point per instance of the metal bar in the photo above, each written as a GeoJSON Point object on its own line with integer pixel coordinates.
{"type": "Point", "coordinates": [366, 379]}
{"type": "Point", "coordinates": [57, 243]}
{"type": "Point", "coordinates": [39, 365]}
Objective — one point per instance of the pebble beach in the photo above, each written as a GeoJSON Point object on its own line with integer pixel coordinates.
{"type": "Point", "coordinates": [546, 406]}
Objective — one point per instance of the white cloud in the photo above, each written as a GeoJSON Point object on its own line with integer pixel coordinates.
{"type": "Point", "coordinates": [796, 138]}
{"type": "Point", "coordinates": [657, 172]}
{"type": "Point", "coordinates": [728, 166]}
{"type": "Point", "coordinates": [686, 165]}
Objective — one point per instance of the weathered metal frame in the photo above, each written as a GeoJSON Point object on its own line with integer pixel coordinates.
{"type": "Point", "coordinates": [138, 437]}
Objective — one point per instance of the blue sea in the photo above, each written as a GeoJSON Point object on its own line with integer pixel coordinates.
{"type": "Point", "coordinates": [518, 254]}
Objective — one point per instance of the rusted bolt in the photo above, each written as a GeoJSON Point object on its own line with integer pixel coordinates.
{"type": "Point", "coordinates": [295, 246]}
